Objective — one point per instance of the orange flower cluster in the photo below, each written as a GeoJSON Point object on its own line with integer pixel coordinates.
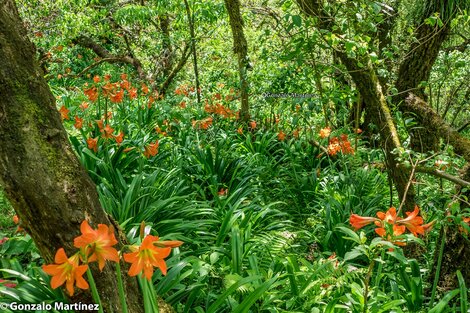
{"type": "Point", "coordinates": [97, 245]}
{"type": "Point", "coordinates": [342, 144]}
{"type": "Point", "coordinates": [203, 124]}
{"type": "Point", "coordinates": [219, 109]}
{"type": "Point", "coordinates": [390, 226]}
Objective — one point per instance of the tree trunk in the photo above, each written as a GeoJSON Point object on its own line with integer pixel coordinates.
{"type": "Point", "coordinates": [193, 48]}
{"type": "Point", "coordinates": [240, 47]}
{"type": "Point", "coordinates": [49, 189]}
{"type": "Point", "coordinates": [416, 68]}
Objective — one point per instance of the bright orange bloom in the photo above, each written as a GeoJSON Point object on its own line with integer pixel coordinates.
{"type": "Point", "coordinates": [107, 132]}
{"type": "Point", "coordinates": [119, 138]}
{"type": "Point", "coordinates": [132, 93]}
{"type": "Point", "coordinates": [16, 219]}
{"type": "Point", "coordinates": [281, 136]}
{"type": "Point", "coordinates": [109, 89]}
{"type": "Point", "coordinates": [183, 104]}
{"type": "Point", "coordinates": [64, 112]}
{"type": "Point", "coordinates": [206, 123]}
{"type": "Point", "coordinates": [84, 106]}
{"type": "Point", "coordinates": [389, 217]}
{"type": "Point", "coordinates": [117, 97]}
{"type": "Point", "coordinates": [78, 122]}
{"type": "Point", "coordinates": [92, 144]}
{"type": "Point", "coordinates": [125, 84]}
{"type": "Point", "coordinates": [253, 124]}
{"type": "Point", "coordinates": [413, 222]}
{"type": "Point", "coordinates": [123, 76]}
{"type": "Point", "coordinates": [91, 93]}
{"type": "Point", "coordinates": [147, 256]}
{"type": "Point", "coordinates": [145, 89]}
{"type": "Point", "coordinates": [151, 149]}
{"type": "Point", "coordinates": [357, 222]}
{"type": "Point", "coordinates": [325, 132]}
{"type": "Point", "coordinates": [96, 79]}
{"type": "Point", "coordinates": [107, 77]}
{"type": "Point", "coordinates": [97, 244]}
{"type": "Point", "coordinates": [222, 192]}
{"type": "Point", "coordinates": [66, 270]}
{"type": "Point", "coordinates": [333, 146]}
{"type": "Point", "coordinates": [240, 130]}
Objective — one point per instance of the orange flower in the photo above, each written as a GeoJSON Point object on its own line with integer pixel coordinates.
{"type": "Point", "coordinates": [97, 244]}
{"type": "Point", "coordinates": [413, 222]}
{"type": "Point", "coordinates": [92, 144]}
{"type": "Point", "coordinates": [96, 79]}
{"type": "Point", "coordinates": [253, 124]}
{"type": "Point", "coordinates": [78, 122]}
{"type": "Point", "coordinates": [147, 256]}
{"type": "Point", "coordinates": [389, 217]}
{"type": "Point", "coordinates": [123, 76]}
{"type": "Point", "coordinates": [325, 132]}
{"type": "Point", "coordinates": [117, 97]}
{"type": "Point", "coordinates": [333, 146]}
{"type": "Point", "coordinates": [91, 93]}
{"type": "Point", "coordinates": [16, 219]}
{"type": "Point", "coordinates": [125, 84]}
{"type": "Point", "coordinates": [281, 136]}
{"type": "Point", "coordinates": [145, 89]}
{"type": "Point", "coordinates": [132, 93]}
{"type": "Point", "coordinates": [107, 77]}
{"type": "Point", "coordinates": [107, 132]}
{"type": "Point", "coordinates": [183, 104]}
{"type": "Point", "coordinates": [240, 130]}
{"type": "Point", "coordinates": [222, 192]}
{"type": "Point", "coordinates": [84, 106]}
{"type": "Point", "coordinates": [151, 149]}
{"type": "Point", "coordinates": [119, 138]}
{"type": "Point", "coordinates": [66, 270]}
{"type": "Point", "coordinates": [357, 222]}
{"type": "Point", "coordinates": [64, 113]}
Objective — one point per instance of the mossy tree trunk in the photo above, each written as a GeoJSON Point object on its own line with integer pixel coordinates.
{"type": "Point", "coordinates": [240, 47]}
{"type": "Point", "coordinates": [43, 179]}
{"type": "Point", "coordinates": [416, 68]}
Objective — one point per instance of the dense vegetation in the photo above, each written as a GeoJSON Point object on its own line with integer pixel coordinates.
{"type": "Point", "coordinates": [295, 205]}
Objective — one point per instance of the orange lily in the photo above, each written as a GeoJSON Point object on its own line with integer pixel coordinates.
{"type": "Point", "coordinates": [66, 270]}
{"type": "Point", "coordinates": [78, 122]}
{"type": "Point", "coordinates": [64, 112]}
{"type": "Point", "coordinates": [325, 132]}
{"type": "Point", "coordinates": [357, 222]}
{"type": "Point", "coordinates": [146, 257]}
{"type": "Point", "coordinates": [98, 243]}
{"type": "Point", "coordinates": [413, 222]}
{"type": "Point", "coordinates": [92, 144]}
{"type": "Point", "coordinates": [151, 149]}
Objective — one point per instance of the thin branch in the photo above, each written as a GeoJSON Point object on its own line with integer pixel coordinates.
{"type": "Point", "coordinates": [442, 174]}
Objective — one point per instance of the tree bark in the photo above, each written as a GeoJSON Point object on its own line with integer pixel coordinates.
{"type": "Point", "coordinates": [416, 68]}
{"type": "Point", "coordinates": [240, 47]}
{"type": "Point", "coordinates": [43, 179]}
